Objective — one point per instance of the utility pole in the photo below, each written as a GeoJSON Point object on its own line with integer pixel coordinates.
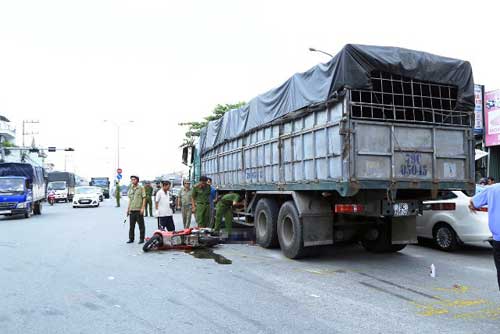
{"type": "Point", "coordinates": [117, 125]}
{"type": "Point", "coordinates": [24, 128]}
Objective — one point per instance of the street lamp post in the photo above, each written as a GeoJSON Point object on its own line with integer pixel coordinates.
{"type": "Point", "coordinates": [324, 52]}
{"type": "Point", "coordinates": [117, 125]}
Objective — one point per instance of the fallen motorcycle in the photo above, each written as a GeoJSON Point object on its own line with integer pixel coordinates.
{"type": "Point", "coordinates": [183, 240]}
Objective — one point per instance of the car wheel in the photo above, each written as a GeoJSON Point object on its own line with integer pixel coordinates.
{"type": "Point", "coordinates": [445, 237]}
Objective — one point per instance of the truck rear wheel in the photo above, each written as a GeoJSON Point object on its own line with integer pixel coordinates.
{"type": "Point", "coordinates": [37, 208]}
{"type": "Point", "coordinates": [383, 242]}
{"type": "Point", "coordinates": [290, 233]}
{"type": "Point", "coordinates": [266, 218]}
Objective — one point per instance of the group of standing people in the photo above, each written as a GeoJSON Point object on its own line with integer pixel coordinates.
{"type": "Point", "coordinates": [207, 206]}
{"type": "Point", "coordinates": [141, 203]}
{"type": "Point", "coordinates": [200, 200]}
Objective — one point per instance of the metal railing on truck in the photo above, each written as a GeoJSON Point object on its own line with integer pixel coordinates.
{"type": "Point", "coordinates": [400, 99]}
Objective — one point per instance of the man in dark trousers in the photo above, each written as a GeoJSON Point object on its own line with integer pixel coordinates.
{"type": "Point", "coordinates": [490, 196]}
{"type": "Point", "coordinates": [136, 204]}
{"type": "Point", "coordinates": [163, 209]}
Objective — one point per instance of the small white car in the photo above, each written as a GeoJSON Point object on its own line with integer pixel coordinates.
{"type": "Point", "coordinates": [86, 197]}
{"type": "Point", "coordinates": [449, 222]}
{"type": "Point", "coordinates": [100, 192]}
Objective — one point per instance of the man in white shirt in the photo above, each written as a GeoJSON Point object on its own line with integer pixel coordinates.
{"type": "Point", "coordinates": [163, 209]}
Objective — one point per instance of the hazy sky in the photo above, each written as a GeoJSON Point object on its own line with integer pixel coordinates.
{"type": "Point", "coordinates": [72, 64]}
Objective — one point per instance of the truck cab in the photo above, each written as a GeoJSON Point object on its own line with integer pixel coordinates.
{"type": "Point", "coordinates": [60, 189]}
{"type": "Point", "coordinates": [101, 182]}
{"type": "Point", "coordinates": [15, 196]}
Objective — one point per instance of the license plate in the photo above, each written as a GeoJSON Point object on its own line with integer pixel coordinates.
{"type": "Point", "coordinates": [401, 209]}
{"type": "Point", "coordinates": [3, 212]}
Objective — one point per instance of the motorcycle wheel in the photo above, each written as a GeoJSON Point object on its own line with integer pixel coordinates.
{"type": "Point", "coordinates": [209, 241]}
{"type": "Point", "coordinates": [153, 243]}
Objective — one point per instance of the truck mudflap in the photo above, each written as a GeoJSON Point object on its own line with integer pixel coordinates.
{"type": "Point", "coordinates": [317, 222]}
{"type": "Point", "coordinates": [404, 230]}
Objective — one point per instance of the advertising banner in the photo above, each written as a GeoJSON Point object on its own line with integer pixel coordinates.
{"type": "Point", "coordinates": [478, 109]}
{"type": "Point", "coordinates": [492, 117]}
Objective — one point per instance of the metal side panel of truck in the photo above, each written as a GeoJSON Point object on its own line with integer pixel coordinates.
{"type": "Point", "coordinates": [351, 166]}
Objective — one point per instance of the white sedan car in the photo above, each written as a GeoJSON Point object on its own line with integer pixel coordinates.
{"type": "Point", "coordinates": [449, 222]}
{"type": "Point", "coordinates": [86, 197]}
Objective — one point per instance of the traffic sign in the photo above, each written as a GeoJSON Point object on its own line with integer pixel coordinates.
{"type": "Point", "coordinates": [119, 171]}
{"type": "Point", "coordinates": [118, 176]}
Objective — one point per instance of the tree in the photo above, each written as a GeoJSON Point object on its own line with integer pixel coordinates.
{"type": "Point", "coordinates": [194, 128]}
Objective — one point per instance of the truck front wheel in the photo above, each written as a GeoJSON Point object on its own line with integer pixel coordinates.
{"type": "Point", "coordinates": [266, 217]}
{"type": "Point", "coordinates": [28, 212]}
{"type": "Point", "coordinates": [290, 232]}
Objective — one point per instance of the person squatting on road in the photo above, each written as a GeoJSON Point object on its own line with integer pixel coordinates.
{"type": "Point", "coordinates": [200, 201]}
{"type": "Point", "coordinates": [224, 209]}
{"type": "Point", "coordinates": [490, 196]}
{"type": "Point", "coordinates": [184, 202]}
{"type": "Point", "coordinates": [149, 199]}
{"type": "Point", "coordinates": [163, 209]}
{"type": "Point", "coordinates": [136, 204]}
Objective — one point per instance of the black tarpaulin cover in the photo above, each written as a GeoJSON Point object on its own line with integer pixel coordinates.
{"type": "Point", "coordinates": [17, 169]}
{"type": "Point", "coordinates": [350, 68]}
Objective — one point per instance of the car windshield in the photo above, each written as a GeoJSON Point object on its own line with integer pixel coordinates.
{"type": "Point", "coordinates": [11, 185]}
{"type": "Point", "coordinates": [85, 190]}
{"type": "Point", "coordinates": [61, 185]}
{"type": "Point", "coordinates": [101, 183]}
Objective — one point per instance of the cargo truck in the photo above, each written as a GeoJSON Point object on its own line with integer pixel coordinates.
{"type": "Point", "coordinates": [347, 150]}
{"type": "Point", "coordinates": [63, 185]}
{"type": "Point", "coordinates": [22, 189]}
{"type": "Point", "coordinates": [101, 182]}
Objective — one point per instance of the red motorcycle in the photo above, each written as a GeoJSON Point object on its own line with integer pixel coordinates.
{"type": "Point", "coordinates": [51, 198]}
{"type": "Point", "coordinates": [186, 239]}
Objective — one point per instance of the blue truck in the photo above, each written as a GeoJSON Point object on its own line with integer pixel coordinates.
{"type": "Point", "coordinates": [22, 189]}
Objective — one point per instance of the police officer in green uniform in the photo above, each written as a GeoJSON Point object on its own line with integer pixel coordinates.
{"type": "Point", "coordinates": [117, 193]}
{"type": "Point", "coordinates": [135, 210]}
{"type": "Point", "coordinates": [200, 202]}
{"type": "Point", "coordinates": [149, 199]}
{"type": "Point", "coordinates": [224, 209]}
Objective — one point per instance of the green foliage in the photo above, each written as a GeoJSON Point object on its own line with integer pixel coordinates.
{"type": "Point", "coordinates": [7, 144]}
{"type": "Point", "coordinates": [194, 128]}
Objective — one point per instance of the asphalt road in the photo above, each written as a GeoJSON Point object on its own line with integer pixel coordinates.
{"type": "Point", "coordinates": [70, 271]}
